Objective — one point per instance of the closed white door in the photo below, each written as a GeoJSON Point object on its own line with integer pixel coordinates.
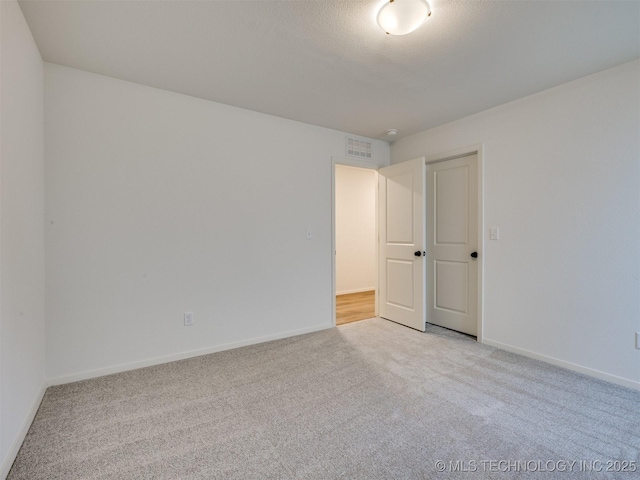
{"type": "Point", "coordinates": [401, 206]}
{"type": "Point", "coordinates": [452, 236]}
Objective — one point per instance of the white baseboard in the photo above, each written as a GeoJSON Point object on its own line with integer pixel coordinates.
{"type": "Point", "coordinates": [100, 372]}
{"type": "Point", "coordinates": [357, 290]}
{"type": "Point", "coordinates": [7, 462]}
{"type": "Point", "coordinates": [564, 364]}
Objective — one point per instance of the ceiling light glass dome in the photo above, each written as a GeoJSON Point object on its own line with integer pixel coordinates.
{"type": "Point", "coordinates": [399, 17]}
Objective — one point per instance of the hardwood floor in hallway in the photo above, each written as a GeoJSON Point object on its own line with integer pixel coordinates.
{"type": "Point", "coordinates": [355, 306]}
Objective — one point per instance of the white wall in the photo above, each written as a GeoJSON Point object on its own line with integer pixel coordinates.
{"type": "Point", "coordinates": [355, 191]}
{"type": "Point", "coordinates": [561, 172]}
{"type": "Point", "coordinates": [158, 203]}
{"type": "Point", "coordinates": [22, 327]}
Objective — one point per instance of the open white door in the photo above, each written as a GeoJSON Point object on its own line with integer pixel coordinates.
{"type": "Point", "coordinates": [401, 210]}
{"type": "Point", "coordinates": [452, 244]}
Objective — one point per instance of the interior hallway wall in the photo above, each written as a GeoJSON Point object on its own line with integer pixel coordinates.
{"type": "Point", "coordinates": [355, 229]}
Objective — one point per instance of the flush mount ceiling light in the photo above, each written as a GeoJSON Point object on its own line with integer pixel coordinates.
{"type": "Point", "coordinates": [399, 17]}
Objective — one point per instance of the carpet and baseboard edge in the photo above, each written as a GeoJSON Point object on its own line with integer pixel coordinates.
{"type": "Point", "coordinates": [625, 382]}
{"type": "Point", "coordinates": [100, 372]}
{"type": "Point", "coordinates": [7, 462]}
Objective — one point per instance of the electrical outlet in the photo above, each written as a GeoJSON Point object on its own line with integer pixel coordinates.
{"type": "Point", "coordinates": [188, 319]}
{"type": "Point", "coordinates": [638, 340]}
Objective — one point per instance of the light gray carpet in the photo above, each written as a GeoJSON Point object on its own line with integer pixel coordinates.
{"type": "Point", "coordinates": [368, 400]}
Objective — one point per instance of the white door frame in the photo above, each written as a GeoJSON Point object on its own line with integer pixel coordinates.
{"type": "Point", "coordinates": [348, 162]}
{"type": "Point", "coordinates": [463, 152]}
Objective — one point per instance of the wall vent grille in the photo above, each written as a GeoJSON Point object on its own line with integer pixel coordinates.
{"type": "Point", "coordinates": [358, 148]}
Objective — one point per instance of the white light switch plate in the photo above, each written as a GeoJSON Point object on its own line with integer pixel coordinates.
{"type": "Point", "coordinates": [309, 233]}
{"type": "Point", "coordinates": [638, 340]}
{"type": "Point", "coordinates": [494, 234]}
{"type": "Point", "coordinates": [188, 319]}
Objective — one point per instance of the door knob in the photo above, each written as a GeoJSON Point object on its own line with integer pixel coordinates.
{"type": "Point", "coordinates": [417, 253]}
{"type": "Point", "coordinates": [474, 254]}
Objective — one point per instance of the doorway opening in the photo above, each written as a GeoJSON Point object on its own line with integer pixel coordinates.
{"type": "Point", "coordinates": [356, 257]}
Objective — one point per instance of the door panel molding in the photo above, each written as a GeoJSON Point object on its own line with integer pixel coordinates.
{"type": "Point", "coordinates": [401, 220]}
{"type": "Point", "coordinates": [450, 267]}
{"type": "Point", "coordinates": [476, 149]}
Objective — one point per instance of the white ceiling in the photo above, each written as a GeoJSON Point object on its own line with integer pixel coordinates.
{"type": "Point", "coordinates": [327, 63]}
